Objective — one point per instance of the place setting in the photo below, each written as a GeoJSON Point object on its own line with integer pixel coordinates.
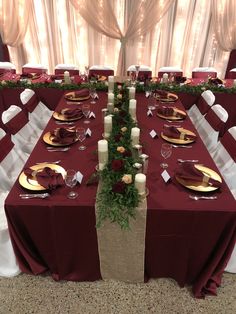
{"type": "Point", "coordinates": [170, 113]}
{"type": "Point", "coordinates": [178, 136]}
{"type": "Point", "coordinates": [77, 96]}
{"type": "Point", "coordinates": [68, 115]}
{"type": "Point", "coordinates": [164, 96]}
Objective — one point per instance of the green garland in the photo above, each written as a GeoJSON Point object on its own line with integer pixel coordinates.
{"type": "Point", "coordinates": [117, 200]}
{"type": "Point", "coordinates": [102, 86]}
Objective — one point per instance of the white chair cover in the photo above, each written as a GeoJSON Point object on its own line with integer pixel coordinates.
{"type": "Point", "coordinates": [34, 66]}
{"type": "Point", "coordinates": [100, 67]}
{"type": "Point", "coordinates": [170, 69]}
{"type": "Point", "coordinates": [204, 69]}
{"type": "Point", "coordinates": [195, 114]}
{"type": "Point", "coordinates": [26, 138]}
{"type": "Point", "coordinates": [143, 68]}
{"type": "Point", "coordinates": [41, 114]}
{"type": "Point", "coordinates": [207, 133]}
{"type": "Point", "coordinates": [64, 66]}
{"type": "Point", "coordinates": [10, 168]}
{"type": "Point", "coordinates": [8, 264]}
{"type": "Point", "coordinates": [7, 66]}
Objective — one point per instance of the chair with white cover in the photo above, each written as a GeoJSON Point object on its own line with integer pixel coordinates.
{"type": "Point", "coordinates": [11, 164]}
{"type": "Point", "coordinates": [212, 126]}
{"type": "Point", "coordinates": [33, 68]}
{"type": "Point", "coordinates": [101, 70]}
{"type": "Point", "coordinates": [225, 158]}
{"type": "Point", "coordinates": [232, 74]}
{"type": "Point", "coordinates": [71, 68]}
{"type": "Point", "coordinates": [204, 72]}
{"type": "Point", "coordinates": [39, 114]}
{"type": "Point", "coordinates": [171, 71]}
{"type": "Point", "coordinates": [198, 110]}
{"type": "Point", "coordinates": [7, 67]}
{"type": "Point", "coordinates": [24, 133]}
{"type": "Point", "coordinates": [145, 72]}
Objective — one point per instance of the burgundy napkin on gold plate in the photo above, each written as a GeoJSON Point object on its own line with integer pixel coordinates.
{"type": "Point", "coordinates": [170, 112]}
{"type": "Point", "coordinates": [188, 172]}
{"type": "Point", "coordinates": [63, 136]}
{"type": "Point", "coordinates": [48, 178]}
{"type": "Point", "coordinates": [173, 132]}
{"type": "Point", "coordinates": [72, 113]}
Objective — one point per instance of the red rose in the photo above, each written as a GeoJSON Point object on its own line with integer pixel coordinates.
{"type": "Point", "coordinates": [117, 165]}
{"type": "Point", "coordinates": [123, 113]}
{"type": "Point", "coordinates": [127, 153]}
{"type": "Point", "coordinates": [117, 137]}
{"type": "Point", "coordinates": [118, 187]}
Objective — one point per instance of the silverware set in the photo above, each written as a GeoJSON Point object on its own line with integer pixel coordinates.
{"type": "Point", "coordinates": [187, 160]}
{"type": "Point", "coordinates": [196, 197]}
{"type": "Point", "coordinates": [28, 196]}
{"type": "Point", "coordinates": [57, 149]}
{"type": "Point", "coordinates": [182, 146]}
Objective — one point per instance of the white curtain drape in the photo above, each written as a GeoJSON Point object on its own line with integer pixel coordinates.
{"type": "Point", "coordinates": [14, 19]}
{"type": "Point", "coordinates": [142, 18]}
{"type": "Point", "coordinates": [183, 37]}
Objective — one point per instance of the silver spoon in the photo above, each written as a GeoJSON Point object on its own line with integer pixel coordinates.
{"type": "Point", "coordinates": [48, 162]}
{"type": "Point", "coordinates": [187, 160]}
{"type": "Point", "coordinates": [64, 149]}
{"type": "Point", "coordinates": [184, 146]}
{"type": "Point", "coordinates": [28, 196]}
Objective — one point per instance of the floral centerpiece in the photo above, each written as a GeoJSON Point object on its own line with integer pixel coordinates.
{"type": "Point", "coordinates": [118, 196]}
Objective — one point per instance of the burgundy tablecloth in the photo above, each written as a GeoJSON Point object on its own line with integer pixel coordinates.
{"type": "Point", "coordinates": [189, 241]}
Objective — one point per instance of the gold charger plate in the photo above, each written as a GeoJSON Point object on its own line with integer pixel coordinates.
{"type": "Point", "coordinates": [170, 98]}
{"type": "Point", "coordinates": [173, 117]}
{"type": "Point", "coordinates": [32, 184]}
{"type": "Point", "coordinates": [102, 78]}
{"type": "Point", "coordinates": [47, 138]}
{"type": "Point", "coordinates": [201, 187]}
{"type": "Point", "coordinates": [58, 116]}
{"type": "Point", "coordinates": [178, 140]}
{"type": "Point", "coordinates": [71, 96]}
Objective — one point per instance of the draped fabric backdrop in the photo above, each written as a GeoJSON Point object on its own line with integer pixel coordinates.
{"type": "Point", "coordinates": [119, 33]}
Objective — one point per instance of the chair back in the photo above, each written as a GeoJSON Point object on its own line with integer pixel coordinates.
{"type": "Point", "coordinates": [174, 71]}
{"type": "Point", "coordinates": [232, 74]}
{"type": "Point", "coordinates": [204, 72]}
{"type": "Point", "coordinates": [7, 67]}
{"type": "Point", "coordinates": [145, 72]}
{"type": "Point", "coordinates": [100, 70]}
{"type": "Point", "coordinates": [71, 68]}
{"type": "Point", "coordinates": [33, 68]}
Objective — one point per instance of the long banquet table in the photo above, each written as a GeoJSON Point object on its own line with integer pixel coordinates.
{"type": "Point", "coordinates": [187, 240]}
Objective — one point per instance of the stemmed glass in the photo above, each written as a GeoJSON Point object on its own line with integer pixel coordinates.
{"type": "Point", "coordinates": [93, 93]}
{"type": "Point", "coordinates": [166, 151]}
{"type": "Point", "coordinates": [80, 133]}
{"type": "Point", "coordinates": [71, 180]}
{"type": "Point", "coordinates": [137, 67]}
{"type": "Point", "coordinates": [86, 112]}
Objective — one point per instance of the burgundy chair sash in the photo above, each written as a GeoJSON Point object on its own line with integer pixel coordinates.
{"type": "Point", "coordinates": [6, 146]}
{"type": "Point", "coordinates": [32, 103]}
{"type": "Point", "coordinates": [61, 71]}
{"type": "Point", "coordinates": [2, 70]}
{"type": "Point", "coordinates": [142, 75]}
{"type": "Point", "coordinates": [229, 143]}
{"type": "Point", "coordinates": [203, 105]}
{"type": "Point", "coordinates": [216, 123]}
{"type": "Point", "coordinates": [33, 70]}
{"type": "Point", "coordinates": [204, 74]}
{"type": "Point", "coordinates": [101, 72]}
{"type": "Point", "coordinates": [160, 74]}
{"type": "Point", "coordinates": [17, 123]}
{"type": "Point", "coordinates": [232, 75]}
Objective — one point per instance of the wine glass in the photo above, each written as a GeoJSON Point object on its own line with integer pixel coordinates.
{"type": "Point", "coordinates": [93, 93]}
{"type": "Point", "coordinates": [166, 151]}
{"type": "Point", "coordinates": [137, 68]}
{"type": "Point", "coordinates": [86, 112]}
{"type": "Point", "coordinates": [71, 180]}
{"type": "Point", "coordinates": [80, 134]}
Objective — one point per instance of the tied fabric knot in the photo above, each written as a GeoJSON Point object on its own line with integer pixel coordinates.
{"type": "Point", "coordinates": [187, 171]}
{"type": "Point", "coordinates": [63, 136]}
{"type": "Point", "coordinates": [123, 41]}
{"type": "Point", "coordinates": [174, 132]}
{"type": "Point", "coordinates": [48, 177]}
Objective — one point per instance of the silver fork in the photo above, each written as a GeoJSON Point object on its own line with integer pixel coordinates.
{"type": "Point", "coordinates": [195, 197]}
{"type": "Point", "coordinates": [184, 146]}
{"type": "Point", "coordinates": [28, 196]}
{"type": "Point", "coordinates": [60, 123]}
{"type": "Point", "coordinates": [187, 160]}
{"type": "Point", "coordinates": [174, 121]}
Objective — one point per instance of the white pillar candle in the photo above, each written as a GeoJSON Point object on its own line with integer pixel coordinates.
{"type": "Point", "coordinates": [110, 98]}
{"type": "Point", "coordinates": [234, 82]}
{"type": "Point", "coordinates": [132, 92]}
{"type": "Point", "coordinates": [132, 108]}
{"type": "Point", "coordinates": [67, 77]}
{"type": "Point", "coordinates": [110, 84]}
{"type": "Point", "coordinates": [110, 107]}
{"type": "Point", "coordinates": [135, 133]}
{"type": "Point", "coordinates": [165, 78]}
{"type": "Point", "coordinates": [140, 183]}
{"type": "Point", "coordinates": [102, 154]}
{"type": "Point", "coordinates": [107, 125]}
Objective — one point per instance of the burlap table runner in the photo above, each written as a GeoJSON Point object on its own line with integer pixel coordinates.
{"type": "Point", "coordinates": [121, 252]}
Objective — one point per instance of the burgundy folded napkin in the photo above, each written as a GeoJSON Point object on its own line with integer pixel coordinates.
{"type": "Point", "coordinates": [82, 93]}
{"type": "Point", "coordinates": [169, 112]}
{"type": "Point", "coordinates": [187, 171]}
{"type": "Point", "coordinates": [63, 136]}
{"type": "Point", "coordinates": [72, 113]}
{"type": "Point", "coordinates": [161, 93]}
{"type": "Point", "coordinates": [180, 79]}
{"type": "Point", "coordinates": [173, 132]}
{"type": "Point", "coordinates": [48, 177]}
{"type": "Point", "coordinates": [215, 81]}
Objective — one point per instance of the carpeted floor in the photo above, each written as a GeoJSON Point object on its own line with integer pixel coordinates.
{"type": "Point", "coordinates": [40, 294]}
